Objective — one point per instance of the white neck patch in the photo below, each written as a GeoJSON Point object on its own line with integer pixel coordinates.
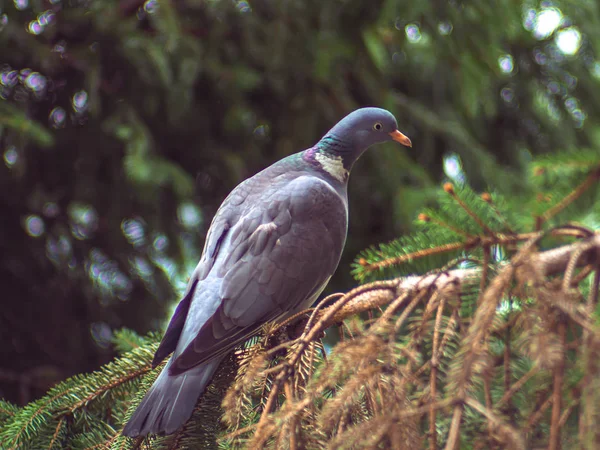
{"type": "Point", "coordinates": [333, 165]}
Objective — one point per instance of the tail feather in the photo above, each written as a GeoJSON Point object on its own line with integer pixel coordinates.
{"type": "Point", "coordinates": [170, 401]}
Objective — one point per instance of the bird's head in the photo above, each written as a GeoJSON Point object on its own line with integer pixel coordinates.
{"type": "Point", "coordinates": [359, 130]}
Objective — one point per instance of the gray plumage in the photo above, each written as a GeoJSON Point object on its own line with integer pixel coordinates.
{"type": "Point", "coordinates": [271, 249]}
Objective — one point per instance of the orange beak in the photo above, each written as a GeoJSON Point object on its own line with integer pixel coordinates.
{"type": "Point", "coordinates": [399, 137]}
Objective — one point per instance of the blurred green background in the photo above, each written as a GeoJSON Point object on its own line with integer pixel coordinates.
{"type": "Point", "coordinates": [124, 124]}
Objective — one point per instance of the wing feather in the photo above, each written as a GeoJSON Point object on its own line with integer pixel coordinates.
{"type": "Point", "coordinates": [276, 255]}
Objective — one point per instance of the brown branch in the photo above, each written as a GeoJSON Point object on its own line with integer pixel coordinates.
{"type": "Point", "coordinates": [484, 272]}
{"type": "Point", "coordinates": [56, 432]}
{"type": "Point", "coordinates": [537, 415]}
{"type": "Point", "coordinates": [589, 354]}
{"type": "Point", "coordinates": [406, 293]}
{"type": "Point", "coordinates": [486, 197]}
{"type": "Point", "coordinates": [518, 385]}
{"type": "Point", "coordinates": [6, 411]}
{"type": "Point", "coordinates": [264, 417]}
{"type": "Point", "coordinates": [426, 218]}
{"type": "Point", "coordinates": [454, 428]}
{"type": "Point", "coordinates": [559, 373]}
{"type": "Point", "coordinates": [549, 262]}
{"type": "Point", "coordinates": [450, 190]}
{"type": "Point", "coordinates": [506, 356]}
{"type": "Point", "coordinates": [109, 386]}
{"type": "Point", "coordinates": [567, 412]}
{"type": "Point", "coordinates": [434, 373]}
{"type": "Point", "coordinates": [37, 412]}
{"type": "Point", "coordinates": [516, 440]}
{"type": "Point", "coordinates": [480, 241]}
{"type": "Point", "coordinates": [473, 342]}
{"type": "Point", "coordinates": [487, 376]}
{"type": "Point", "coordinates": [412, 305]}
{"type": "Point", "coordinates": [592, 178]}
{"type": "Point", "coordinates": [573, 263]}
{"type": "Point", "coordinates": [414, 255]}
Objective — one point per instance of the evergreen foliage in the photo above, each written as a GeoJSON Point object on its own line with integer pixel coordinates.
{"type": "Point", "coordinates": [497, 349]}
{"type": "Point", "coordinates": [124, 123]}
{"type": "Point", "coordinates": [109, 110]}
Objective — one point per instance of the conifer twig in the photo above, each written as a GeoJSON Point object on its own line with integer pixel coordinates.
{"type": "Point", "coordinates": [592, 177]}
{"type": "Point", "coordinates": [537, 415]}
{"type": "Point", "coordinates": [589, 355]}
{"type": "Point", "coordinates": [414, 255]}
{"type": "Point", "coordinates": [434, 372]}
{"type": "Point", "coordinates": [573, 263]}
{"type": "Point", "coordinates": [476, 241]}
{"type": "Point", "coordinates": [402, 318]}
{"type": "Point", "coordinates": [454, 427]}
{"type": "Point", "coordinates": [449, 188]}
{"type": "Point", "coordinates": [506, 357]}
{"type": "Point", "coordinates": [517, 386]}
{"type": "Point", "coordinates": [59, 425]}
{"type": "Point", "coordinates": [292, 423]}
{"type": "Point", "coordinates": [403, 295]}
{"type": "Point", "coordinates": [554, 443]}
{"type": "Point", "coordinates": [108, 386]}
{"type": "Point", "coordinates": [427, 218]}
{"type": "Point", "coordinates": [37, 412]}
{"type": "Point", "coordinates": [487, 197]}
{"type": "Point", "coordinates": [517, 442]}
{"type": "Point", "coordinates": [473, 342]}
{"type": "Point", "coordinates": [567, 412]}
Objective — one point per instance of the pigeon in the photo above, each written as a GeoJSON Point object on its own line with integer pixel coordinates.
{"type": "Point", "coordinates": [271, 249]}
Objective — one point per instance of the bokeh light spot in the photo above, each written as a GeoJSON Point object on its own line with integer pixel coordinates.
{"type": "Point", "coordinates": [133, 230]}
{"type": "Point", "coordinates": [595, 70]}
{"type": "Point", "coordinates": [161, 242]}
{"type": "Point", "coordinates": [57, 117]}
{"type": "Point", "coordinates": [453, 168]}
{"type": "Point", "coordinates": [243, 7]}
{"type": "Point", "coordinates": [80, 101]}
{"type": "Point", "coordinates": [507, 95]}
{"type": "Point", "coordinates": [34, 226]}
{"type": "Point", "coordinates": [506, 63]}
{"type": "Point", "coordinates": [546, 22]}
{"type": "Point", "coordinates": [84, 220]}
{"type": "Point", "coordinates": [3, 21]}
{"type": "Point", "coordinates": [46, 18]}
{"type": "Point", "coordinates": [101, 333]}
{"type": "Point", "coordinates": [399, 24]}
{"type": "Point", "coordinates": [9, 78]}
{"type": "Point", "coordinates": [445, 28]}
{"type": "Point", "coordinates": [35, 27]}
{"type": "Point", "coordinates": [36, 82]}
{"type": "Point", "coordinates": [151, 6]}
{"type": "Point", "coordinates": [189, 215]}
{"type": "Point", "coordinates": [107, 276]}
{"type": "Point", "coordinates": [11, 156]}
{"type": "Point", "coordinates": [142, 267]}
{"type": "Point", "coordinates": [60, 47]}
{"type": "Point", "coordinates": [413, 33]}
{"type": "Point", "coordinates": [569, 40]}
{"type": "Point", "coordinates": [21, 4]}
{"type": "Point", "coordinates": [261, 131]}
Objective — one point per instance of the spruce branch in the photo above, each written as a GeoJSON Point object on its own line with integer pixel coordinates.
{"type": "Point", "coordinates": [400, 298]}
{"type": "Point", "coordinates": [559, 374]}
{"type": "Point", "coordinates": [586, 184]}
{"type": "Point", "coordinates": [449, 188]}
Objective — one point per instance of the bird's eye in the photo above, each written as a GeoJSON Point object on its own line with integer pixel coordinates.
{"type": "Point", "coordinates": [377, 127]}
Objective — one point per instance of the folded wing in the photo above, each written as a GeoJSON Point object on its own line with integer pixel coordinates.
{"type": "Point", "coordinates": [273, 258]}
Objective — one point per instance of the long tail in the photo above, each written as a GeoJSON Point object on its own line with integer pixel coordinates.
{"type": "Point", "coordinates": [170, 401]}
